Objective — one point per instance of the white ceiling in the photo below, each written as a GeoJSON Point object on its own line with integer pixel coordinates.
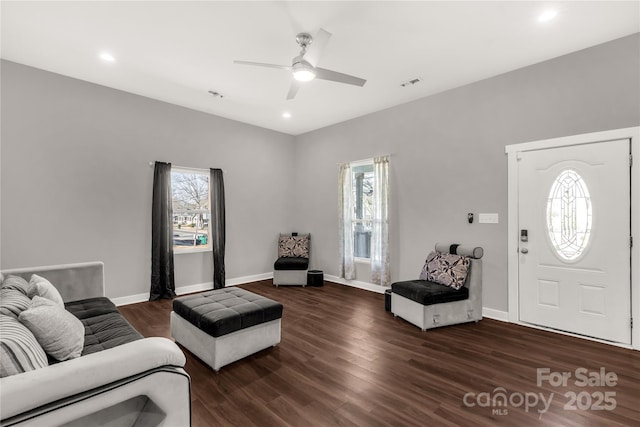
{"type": "Point", "coordinates": [176, 51]}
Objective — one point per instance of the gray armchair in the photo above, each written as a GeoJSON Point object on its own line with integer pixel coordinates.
{"type": "Point", "coordinates": [431, 305]}
{"type": "Point", "coordinates": [292, 264]}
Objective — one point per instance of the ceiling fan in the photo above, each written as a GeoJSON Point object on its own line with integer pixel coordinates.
{"type": "Point", "coordinates": [304, 66]}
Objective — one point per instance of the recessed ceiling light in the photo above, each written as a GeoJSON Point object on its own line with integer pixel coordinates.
{"type": "Point", "coordinates": [107, 57]}
{"type": "Point", "coordinates": [286, 115]}
{"type": "Point", "coordinates": [547, 15]}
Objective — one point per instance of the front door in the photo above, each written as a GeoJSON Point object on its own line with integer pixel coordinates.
{"type": "Point", "coordinates": [574, 215]}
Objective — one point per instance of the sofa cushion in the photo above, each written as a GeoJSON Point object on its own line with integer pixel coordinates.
{"type": "Point", "coordinates": [43, 288]}
{"type": "Point", "coordinates": [428, 293]}
{"type": "Point", "coordinates": [291, 263]}
{"type": "Point", "coordinates": [13, 302]}
{"type": "Point", "coordinates": [104, 326]}
{"type": "Point", "coordinates": [59, 332]}
{"type": "Point", "coordinates": [222, 311]}
{"type": "Point", "coordinates": [446, 269]}
{"type": "Point", "coordinates": [19, 349]}
{"type": "Point", "coordinates": [91, 307]}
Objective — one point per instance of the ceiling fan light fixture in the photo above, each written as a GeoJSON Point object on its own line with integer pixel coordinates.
{"type": "Point", "coordinates": [304, 75]}
{"type": "Point", "coordinates": [303, 72]}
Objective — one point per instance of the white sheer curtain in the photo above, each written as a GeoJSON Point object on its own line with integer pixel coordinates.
{"type": "Point", "coordinates": [345, 225]}
{"type": "Point", "coordinates": [380, 235]}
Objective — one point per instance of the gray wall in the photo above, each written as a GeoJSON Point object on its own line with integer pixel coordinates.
{"type": "Point", "coordinates": [76, 181]}
{"type": "Point", "coordinates": [76, 185]}
{"type": "Point", "coordinates": [448, 154]}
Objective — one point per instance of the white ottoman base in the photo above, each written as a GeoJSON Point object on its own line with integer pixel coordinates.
{"type": "Point", "coordinates": [434, 315]}
{"type": "Point", "coordinates": [290, 277]}
{"type": "Point", "coordinates": [220, 351]}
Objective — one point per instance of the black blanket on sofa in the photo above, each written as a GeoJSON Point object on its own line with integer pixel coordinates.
{"type": "Point", "coordinates": [104, 326]}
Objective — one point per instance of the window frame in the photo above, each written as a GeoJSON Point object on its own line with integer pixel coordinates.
{"type": "Point", "coordinates": [193, 249]}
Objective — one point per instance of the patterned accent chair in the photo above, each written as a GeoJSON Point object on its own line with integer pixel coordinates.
{"type": "Point", "coordinates": [293, 259]}
{"type": "Point", "coordinates": [448, 292]}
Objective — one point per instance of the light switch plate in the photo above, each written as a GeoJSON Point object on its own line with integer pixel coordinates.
{"type": "Point", "coordinates": [488, 218]}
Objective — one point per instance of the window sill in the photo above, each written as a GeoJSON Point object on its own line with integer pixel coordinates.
{"type": "Point", "coordinates": [191, 251]}
{"type": "Point", "coordinates": [362, 260]}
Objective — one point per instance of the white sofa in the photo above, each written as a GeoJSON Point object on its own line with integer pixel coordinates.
{"type": "Point", "coordinates": [140, 383]}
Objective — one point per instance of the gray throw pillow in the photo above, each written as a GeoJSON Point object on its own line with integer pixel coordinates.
{"type": "Point", "coordinates": [43, 288]}
{"type": "Point", "coordinates": [293, 246]}
{"type": "Point", "coordinates": [446, 269]}
{"type": "Point", "coordinates": [19, 349]}
{"type": "Point", "coordinates": [59, 332]}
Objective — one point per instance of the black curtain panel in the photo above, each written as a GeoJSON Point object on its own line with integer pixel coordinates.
{"type": "Point", "coordinates": [216, 186]}
{"type": "Point", "coordinates": [162, 279]}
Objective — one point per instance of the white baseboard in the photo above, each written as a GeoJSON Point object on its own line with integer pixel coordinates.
{"type": "Point", "coordinates": [248, 279]}
{"type": "Point", "coordinates": [188, 289]}
{"type": "Point", "coordinates": [486, 312]}
{"type": "Point", "coordinates": [355, 284]}
{"type": "Point", "coordinates": [130, 299]}
{"type": "Point", "coordinates": [490, 313]}
{"type": "Point", "coordinates": [199, 287]}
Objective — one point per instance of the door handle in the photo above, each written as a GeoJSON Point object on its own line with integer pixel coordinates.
{"type": "Point", "coordinates": [524, 250]}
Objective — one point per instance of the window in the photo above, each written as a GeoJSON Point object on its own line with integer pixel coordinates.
{"type": "Point", "coordinates": [191, 211]}
{"type": "Point", "coordinates": [569, 215]}
{"type": "Point", "coordinates": [362, 193]}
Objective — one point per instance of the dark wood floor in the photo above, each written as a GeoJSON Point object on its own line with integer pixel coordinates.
{"type": "Point", "coordinates": [344, 361]}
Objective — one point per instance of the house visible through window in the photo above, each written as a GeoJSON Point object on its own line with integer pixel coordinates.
{"type": "Point", "coordinates": [362, 193]}
{"type": "Point", "coordinates": [191, 209]}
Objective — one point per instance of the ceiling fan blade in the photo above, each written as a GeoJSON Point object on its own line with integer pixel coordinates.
{"type": "Point", "coordinates": [334, 76]}
{"type": "Point", "coordinates": [314, 52]}
{"type": "Point", "coordinates": [261, 64]}
{"type": "Point", "coordinates": [293, 90]}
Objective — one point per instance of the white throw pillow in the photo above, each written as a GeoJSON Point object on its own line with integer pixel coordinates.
{"type": "Point", "coordinates": [59, 332]}
{"type": "Point", "coordinates": [43, 288]}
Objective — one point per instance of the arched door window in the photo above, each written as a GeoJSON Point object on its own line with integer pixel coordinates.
{"type": "Point", "coordinates": [569, 215]}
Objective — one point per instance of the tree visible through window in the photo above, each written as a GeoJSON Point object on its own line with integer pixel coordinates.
{"type": "Point", "coordinates": [191, 211]}
{"type": "Point", "coordinates": [362, 191]}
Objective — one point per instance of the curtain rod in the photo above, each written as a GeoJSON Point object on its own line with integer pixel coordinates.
{"type": "Point", "coordinates": [152, 164]}
{"type": "Point", "coordinates": [370, 159]}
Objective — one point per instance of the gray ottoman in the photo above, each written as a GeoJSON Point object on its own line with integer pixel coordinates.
{"type": "Point", "coordinates": [225, 325]}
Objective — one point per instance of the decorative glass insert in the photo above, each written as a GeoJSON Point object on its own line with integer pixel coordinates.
{"type": "Point", "coordinates": [569, 215]}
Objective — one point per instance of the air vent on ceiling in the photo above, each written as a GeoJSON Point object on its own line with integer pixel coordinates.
{"type": "Point", "coordinates": [411, 82]}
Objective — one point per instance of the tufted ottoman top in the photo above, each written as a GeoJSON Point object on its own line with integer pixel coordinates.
{"type": "Point", "coordinates": [222, 311]}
